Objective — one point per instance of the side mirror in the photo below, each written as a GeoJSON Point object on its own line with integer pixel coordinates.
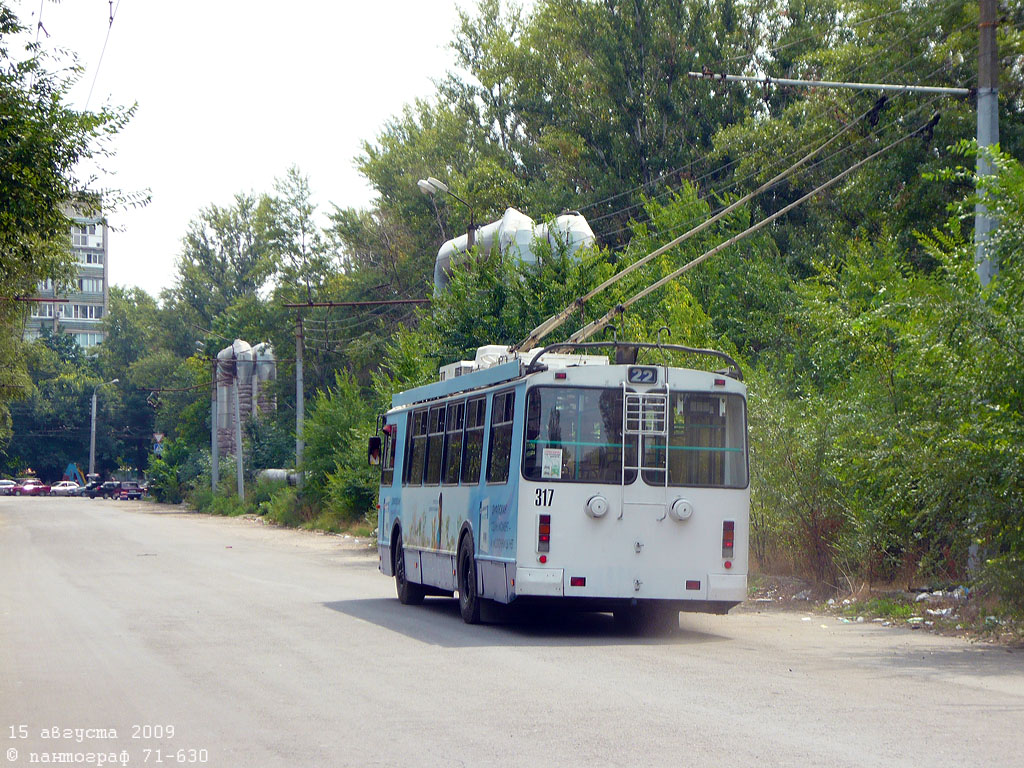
{"type": "Point", "coordinates": [373, 451]}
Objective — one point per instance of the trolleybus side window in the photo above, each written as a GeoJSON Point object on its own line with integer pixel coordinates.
{"type": "Point", "coordinates": [435, 444]}
{"type": "Point", "coordinates": [387, 469]}
{"type": "Point", "coordinates": [473, 445]}
{"type": "Point", "coordinates": [454, 423]}
{"type": "Point", "coordinates": [707, 443]}
{"type": "Point", "coordinates": [417, 448]}
{"type": "Point", "coordinates": [575, 434]}
{"type": "Point", "coordinates": [499, 451]}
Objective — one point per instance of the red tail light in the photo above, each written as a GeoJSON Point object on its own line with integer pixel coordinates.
{"type": "Point", "coordinates": [577, 581]}
{"type": "Point", "coordinates": [544, 534]}
{"type": "Point", "coordinates": [728, 535]}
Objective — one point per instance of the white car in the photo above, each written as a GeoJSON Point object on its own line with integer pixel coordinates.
{"type": "Point", "coordinates": [65, 488]}
{"type": "Point", "coordinates": [5, 487]}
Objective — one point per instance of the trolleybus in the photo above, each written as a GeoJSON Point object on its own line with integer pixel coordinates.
{"type": "Point", "coordinates": [561, 476]}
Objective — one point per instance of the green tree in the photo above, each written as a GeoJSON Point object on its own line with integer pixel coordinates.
{"type": "Point", "coordinates": [43, 141]}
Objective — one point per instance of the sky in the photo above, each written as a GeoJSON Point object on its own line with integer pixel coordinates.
{"type": "Point", "coordinates": [231, 94]}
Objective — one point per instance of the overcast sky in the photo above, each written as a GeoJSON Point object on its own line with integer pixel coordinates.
{"type": "Point", "coordinates": [231, 93]}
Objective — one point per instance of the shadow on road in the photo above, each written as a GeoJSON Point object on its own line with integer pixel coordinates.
{"type": "Point", "coordinates": [438, 622]}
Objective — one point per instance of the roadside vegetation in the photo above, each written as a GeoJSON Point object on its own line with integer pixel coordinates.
{"type": "Point", "coordinates": [886, 384]}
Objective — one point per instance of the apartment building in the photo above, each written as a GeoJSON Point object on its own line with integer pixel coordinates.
{"type": "Point", "coordinates": [82, 315]}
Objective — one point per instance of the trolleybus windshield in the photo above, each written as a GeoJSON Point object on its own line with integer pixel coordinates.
{"type": "Point", "coordinates": [574, 434]}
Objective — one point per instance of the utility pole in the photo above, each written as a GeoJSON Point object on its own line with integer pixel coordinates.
{"type": "Point", "coordinates": [239, 453]}
{"type": "Point", "coordinates": [92, 431]}
{"type": "Point", "coordinates": [214, 442]}
{"type": "Point", "coordinates": [300, 403]}
{"type": "Point", "coordinates": [300, 397]}
{"type": "Point", "coordinates": [988, 129]}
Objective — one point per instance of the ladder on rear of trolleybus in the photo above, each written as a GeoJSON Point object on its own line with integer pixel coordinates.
{"type": "Point", "coordinates": [645, 419]}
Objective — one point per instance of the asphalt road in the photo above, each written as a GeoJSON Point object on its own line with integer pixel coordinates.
{"type": "Point", "coordinates": [120, 621]}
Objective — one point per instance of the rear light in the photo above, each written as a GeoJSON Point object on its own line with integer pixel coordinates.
{"type": "Point", "coordinates": [544, 533]}
{"type": "Point", "coordinates": [719, 382]}
{"type": "Point", "coordinates": [560, 375]}
{"type": "Point", "coordinates": [577, 581]}
{"type": "Point", "coordinates": [728, 536]}
{"type": "Point", "coordinates": [693, 584]}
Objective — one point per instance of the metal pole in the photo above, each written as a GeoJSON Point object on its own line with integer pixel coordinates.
{"type": "Point", "coordinates": [214, 441]}
{"type": "Point", "coordinates": [92, 436]}
{"type": "Point", "coordinates": [988, 129]}
{"type": "Point", "coordinates": [238, 441]}
{"type": "Point", "coordinates": [300, 404]}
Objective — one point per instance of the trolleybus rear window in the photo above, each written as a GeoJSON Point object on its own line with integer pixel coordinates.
{"type": "Point", "coordinates": [707, 442]}
{"type": "Point", "coordinates": [574, 434]}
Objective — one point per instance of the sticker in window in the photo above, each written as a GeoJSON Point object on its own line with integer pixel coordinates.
{"type": "Point", "coordinates": [551, 465]}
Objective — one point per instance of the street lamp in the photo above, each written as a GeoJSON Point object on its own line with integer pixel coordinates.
{"type": "Point", "coordinates": [92, 433]}
{"type": "Point", "coordinates": [431, 186]}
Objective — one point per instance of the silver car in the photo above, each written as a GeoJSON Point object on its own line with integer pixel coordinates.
{"type": "Point", "coordinates": [65, 488]}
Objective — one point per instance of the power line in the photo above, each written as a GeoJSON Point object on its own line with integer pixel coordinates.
{"type": "Point", "coordinates": [736, 182]}
{"type": "Point", "coordinates": [601, 322]}
{"type": "Point", "coordinates": [96, 74]}
{"type": "Point", "coordinates": [717, 171]}
{"type": "Point", "coordinates": [556, 320]}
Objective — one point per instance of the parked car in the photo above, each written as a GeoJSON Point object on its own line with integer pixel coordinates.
{"type": "Point", "coordinates": [130, 490]}
{"type": "Point", "coordinates": [30, 487]}
{"type": "Point", "coordinates": [65, 488]}
{"type": "Point", "coordinates": [107, 490]}
{"type": "Point", "coordinates": [89, 488]}
{"type": "Point", "coordinates": [6, 486]}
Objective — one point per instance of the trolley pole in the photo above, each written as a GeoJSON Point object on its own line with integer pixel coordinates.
{"type": "Point", "coordinates": [988, 130]}
{"type": "Point", "coordinates": [300, 404]}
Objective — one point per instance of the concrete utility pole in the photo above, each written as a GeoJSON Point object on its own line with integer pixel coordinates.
{"type": "Point", "coordinates": [92, 431]}
{"type": "Point", "coordinates": [214, 442]}
{"type": "Point", "coordinates": [988, 129]}
{"type": "Point", "coordinates": [300, 402]}
{"type": "Point", "coordinates": [239, 453]}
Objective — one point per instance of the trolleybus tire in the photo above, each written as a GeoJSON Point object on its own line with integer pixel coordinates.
{"type": "Point", "coordinates": [408, 593]}
{"type": "Point", "coordinates": [469, 600]}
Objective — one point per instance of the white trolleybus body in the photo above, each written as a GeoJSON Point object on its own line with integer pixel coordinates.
{"type": "Point", "coordinates": [547, 478]}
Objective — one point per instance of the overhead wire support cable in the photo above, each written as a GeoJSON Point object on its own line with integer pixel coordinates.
{"type": "Point", "coordinates": [556, 320]}
{"type": "Point", "coordinates": [766, 81]}
{"type": "Point", "coordinates": [379, 302]}
{"type": "Point", "coordinates": [590, 329]}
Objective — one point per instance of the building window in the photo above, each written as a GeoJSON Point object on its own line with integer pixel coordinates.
{"type": "Point", "coordinates": [83, 312]}
{"type": "Point", "coordinates": [90, 285]}
{"type": "Point", "coordinates": [88, 339]}
{"type": "Point", "coordinates": [42, 310]}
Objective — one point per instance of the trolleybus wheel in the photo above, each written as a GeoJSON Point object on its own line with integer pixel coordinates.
{"type": "Point", "coordinates": [408, 593]}
{"type": "Point", "coordinates": [469, 600]}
